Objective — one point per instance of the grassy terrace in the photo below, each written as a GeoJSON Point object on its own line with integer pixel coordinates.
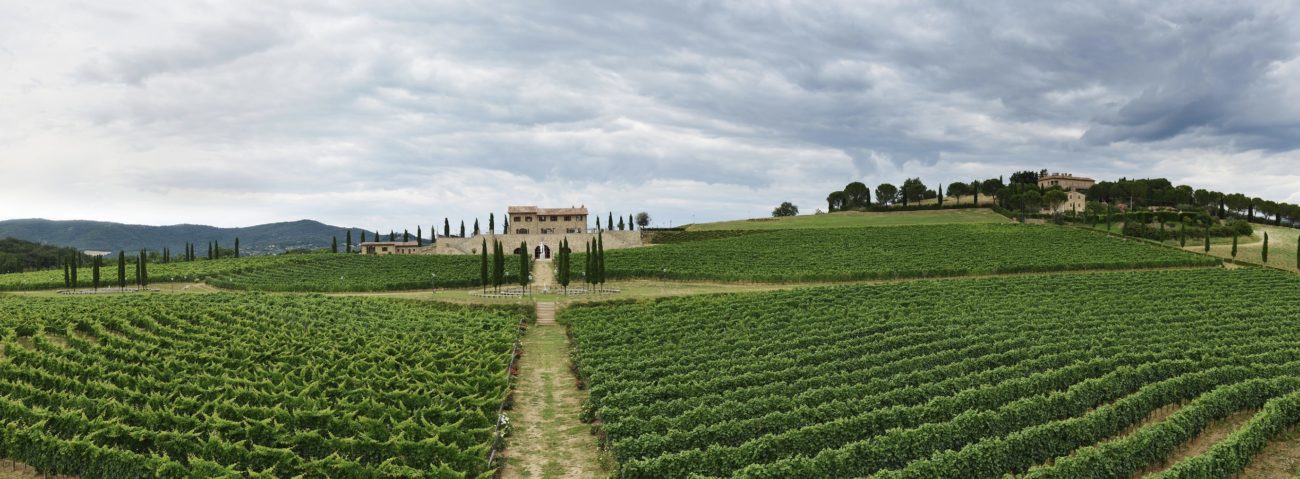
{"type": "Point", "coordinates": [854, 219]}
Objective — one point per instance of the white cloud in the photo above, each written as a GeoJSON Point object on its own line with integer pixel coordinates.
{"type": "Point", "coordinates": [383, 114]}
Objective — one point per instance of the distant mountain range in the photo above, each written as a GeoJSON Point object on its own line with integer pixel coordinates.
{"type": "Point", "coordinates": [103, 236]}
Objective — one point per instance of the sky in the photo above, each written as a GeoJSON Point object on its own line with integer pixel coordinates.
{"type": "Point", "coordinates": [388, 114]}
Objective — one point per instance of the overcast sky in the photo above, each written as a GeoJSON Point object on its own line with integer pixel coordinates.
{"type": "Point", "coordinates": [383, 114]}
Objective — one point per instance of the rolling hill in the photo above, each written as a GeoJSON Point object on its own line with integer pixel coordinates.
{"type": "Point", "coordinates": [104, 236]}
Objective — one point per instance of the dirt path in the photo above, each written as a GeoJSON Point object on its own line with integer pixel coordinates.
{"type": "Point", "coordinates": [1280, 459]}
{"type": "Point", "coordinates": [543, 275]}
{"type": "Point", "coordinates": [1213, 433]}
{"type": "Point", "coordinates": [549, 441]}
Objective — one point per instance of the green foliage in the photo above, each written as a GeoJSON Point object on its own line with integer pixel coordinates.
{"type": "Point", "coordinates": [273, 386]}
{"type": "Point", "coordinates": [941, 379]}
{"type": "Point", "coordinates": [1264, 250]}
{"type": "Point", "coordinates": [784, 209]}
{"type": "Point", "coordinates": [843, 254]}
{"type": "Point", "coordinates": [338, 273]}
{"type": "Point", "coordinates": [17, 255]}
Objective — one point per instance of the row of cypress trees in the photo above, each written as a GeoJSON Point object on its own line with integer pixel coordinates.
{"type": "Point", "coordinates": [71, 265]}
{"type": "Point", "coordinates": [594, 272]}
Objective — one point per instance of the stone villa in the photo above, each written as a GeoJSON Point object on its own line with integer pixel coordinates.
{"type": "Point", "coordinates": [1074, 187]}
{"type": "Point", "coordinates": [529, 220]}
{"type": "Point", "coordinates": [389, 247]}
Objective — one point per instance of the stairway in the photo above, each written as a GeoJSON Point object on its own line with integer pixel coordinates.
{"type": "Point", "coordinates": [546, 314]}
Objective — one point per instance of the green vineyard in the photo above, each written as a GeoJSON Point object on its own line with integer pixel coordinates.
{"type": "Point", "coordinates": [158, 272]}
{"type": "Point", "coordinates": [251, 385]}
{"type": "Point", "coordinates": [840, 254]}
{"type": "Point", "coordinates": [1040, 376]}
{"type": "Point", "coordinates": [334, 273]}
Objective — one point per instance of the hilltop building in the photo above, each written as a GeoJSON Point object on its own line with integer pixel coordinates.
{"type": "Point", "coordinates": [389, 247]}
{"type": "Point", "coordinates": [1066, 182]}
{"type": "Point", "coordinates": [527, 220]}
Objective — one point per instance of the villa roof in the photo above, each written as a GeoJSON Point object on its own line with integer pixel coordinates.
{"type": "Point", "coordinates": [582, 210]}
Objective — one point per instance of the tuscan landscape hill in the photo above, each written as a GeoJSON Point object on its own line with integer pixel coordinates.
{"type": "Point", "coordinates": [268, 238]}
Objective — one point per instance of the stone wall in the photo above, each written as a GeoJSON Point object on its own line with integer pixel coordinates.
{"type": "Point", "coordinates": [471, 245]}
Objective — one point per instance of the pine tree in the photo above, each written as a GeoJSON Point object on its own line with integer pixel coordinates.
{"type": "Point", "coordinates": [483, 267]}
{"type": "Point", "coordinates": [492, 223]}
{"type": "Point", "coordinates": [334, 244]}
{"type": "Point", "coordinates": [1264, 252]}
{"type": "Point", "coordinates": [236, 246]}
{"type": "Point", "coordinates": [446, 228]}
{"type": "Point", "coordinates": [94, 273]}
{"type": "Point", "coordinates": [348, 238]}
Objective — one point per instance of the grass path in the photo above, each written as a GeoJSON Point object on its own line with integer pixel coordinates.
{"type": "Point", "coordinates": [549, 441]}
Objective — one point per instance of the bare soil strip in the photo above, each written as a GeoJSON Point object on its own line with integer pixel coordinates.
{"type": "Point", "coordinates": [1212, 434]}
{"type": "Point", "coordinates": [548, 439]}
{"type": "Point", "coordinates": [1280, 459]}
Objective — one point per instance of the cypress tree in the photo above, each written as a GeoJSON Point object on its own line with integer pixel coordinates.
{"type": "Point", "coordinates": [392, 235]}
{"type": "Point", "coordinates": [462, 228]}
{"type": "Point", "coordinates": [377, 237]}
{"type": "Point", "coordinates": [406, 235]}
{"type": "Point", "coordinates": [505, 224]}
{"type": "Point", "coordinates": [144, 269]}
{"type": "Point", "coordinates": [348, 238]}
{"type": "Point", "coordinates": [620, 223]}
{"type": "Point", "coordinates": [1207, 238]}
{"type": "Point", "coordinates": [476, 230]}
{"type": "Point", "coordinates": [586, 265]}
{"type": "Point", "coordinates": [523, 264]}
{"type": "Point", "coordinates": [483, 267]}
{"type": "Point", "coordinates": [631, 224]}
{"type": "Point", "coordinates": [363, 236]}
{"type": "Point", "coordinates": [67, 275]}
{"type": "Point", "coordinates": [138, 274]}
{"type": "Point", "coordinates": [1182, 236]}
{"type": "Point", "coordinates": [1264, 252]}
{"type": "Point", "coordinates": [498, 265]}
{"type": "Point", "coordinates": [1234, 246]}
{"type": "Point", "coordinates": [492, 223]}
{"type": "Point", "coordinates": [1297, 254]}
{"type": "Point", "coordinates": [216, 249]}
{"type": "Point", "coordinates": [236, 246]}
{"type": "Point", "coordinates": [610, 224]}
{"type": "Point", "coordinates": [94, 273]}
{"type": "Point", "coordinates": [940, 195]}
{"type": "Point", "coordinates": [334, 244]}
{"type": "Point", "coordinates": [975, 190]}
{"type": "Point", "coordinates": [564, 264]}
{"type": "Point", "coordinates": [597, 223]}
{"type": "Point", "coordinates": [419, 236]}
{"type": "Point", "coordinates": [76, 265]}
{"type": "Point", "coordinates": [209, 250]}
{"type": "Point", "coordinates": [446, 227]}
{"type": "Point", "coordinates": [600, 259]}
{"type": "Point", "coordinates": [121, 270]}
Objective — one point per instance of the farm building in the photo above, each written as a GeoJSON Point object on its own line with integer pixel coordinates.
{"type": "Point", "coordinates": [389, 247]}
{"type": "Point", "coordinates": [547, 221]}
{"type": "Point", "coordinates": [1066, 182]}
{"type": "Point", "coordinates": [1075, 201]}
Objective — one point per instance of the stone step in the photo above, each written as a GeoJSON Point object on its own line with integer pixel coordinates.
{"type": "Point", "coordinates": [545, 313]}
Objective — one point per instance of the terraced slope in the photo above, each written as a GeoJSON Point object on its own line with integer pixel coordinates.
{"type": "Point", "coordinates": [248, 385]}
{"type": "Point", "coordinates": [944, 379]}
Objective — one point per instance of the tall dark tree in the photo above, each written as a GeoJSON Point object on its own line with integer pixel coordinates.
{"type": "Point", "coordinates": [236, 246]}
{"type": "Point", "coordinates": [144, 268]}
{"type": "Point", "coordinates": [216, 249]}
{"type": "Point", "coordinates": [505, 224]}
{"type": "Point", "coordinates": [600, 259]}
{"type": "Point", "coordinates": [597, 223]}
{"type": "Point", "coordinates": [912, 191]}
{"type": "Point", "coordinates": [94, 272]}
{"type": "Point", "coordinates": [446, 228]}
{"type": "Point", "coordinates": [67, 274]}
{"type": "Point", "coordinates": [209, 250]}
{"type": "Point", "coordinates": [1234, 246]}
{"type": "Point", "coordinates": [121, 270]}
{"type": "Point", "coordinates": [939, 195]}
{"type": "Point", "coordinates": [76, 266]}
{"type": "Point", "coordinates": [523, 264]}
{"type": "Point", "coordinates": [610, 224]}
{"type": "Point", "coordinates": [363, 236]}
{"type": "Point", "coordinates": [483, 267]}
{"type": "Point", "coordinates": [498, 265]}
{"type": "Point", "coordinates": [562, 260]}
{"type": "Point", "coordinates": [347, 238]}
{"type": "Point", "coordinates": [630, 223]}
{"type": "Point", "coordinates": [392, 235]}
{"type": "Point", "coordinates": [587, 276]}
{"type": "Point", "coordinates": [492, 223]}
{"type": "Point", "coordinates": [620, 223]}
{"type": "Point", "coordinates": [462, 228]}
{"type": "Point", "coordinates": [1182, 235]}
{"type": "Point", "coordinates": [334, 244]}
{"type": "Point", "coordinates": [406, 236]}
{"type": "Point", "coordinates": [1264, 251]}
{"type": "Point", "coordinates": [476, 230]}
{"type": "Point", "coordinates": [1207, 237]}
{"type": "Point", "coordinates": [419, 236]}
